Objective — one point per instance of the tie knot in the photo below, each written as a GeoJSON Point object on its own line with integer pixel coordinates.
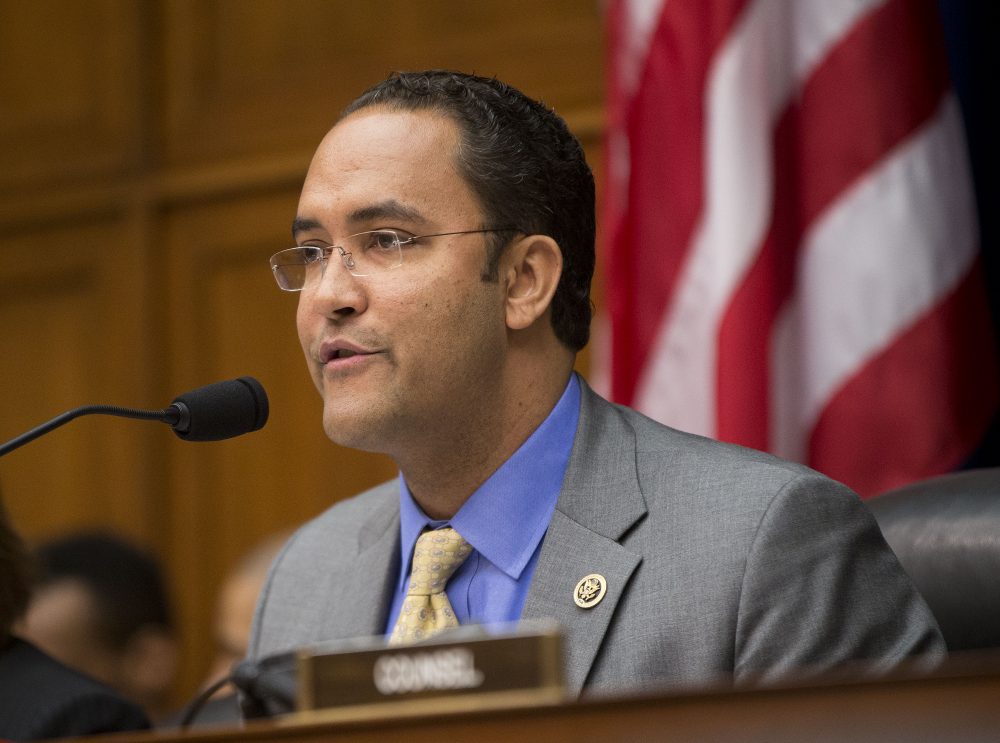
{"type": "Point", "coordinates": [436, 557]}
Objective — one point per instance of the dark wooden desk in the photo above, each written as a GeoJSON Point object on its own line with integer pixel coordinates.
{"type": "Point", "coordinates": [957, 708]}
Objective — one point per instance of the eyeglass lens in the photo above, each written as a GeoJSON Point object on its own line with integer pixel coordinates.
{"type": "Point", "coordinates": [363, 254]}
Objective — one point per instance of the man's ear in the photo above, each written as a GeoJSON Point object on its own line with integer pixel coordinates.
{"type": "Point", "coordinates": [531, 270]}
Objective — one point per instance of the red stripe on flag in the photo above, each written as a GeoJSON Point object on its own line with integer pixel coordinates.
{"type": "Point", "coordinates": [877, 85]}
{"type": "Point", "coordinates": [889, 426]}
{"type": "Point", "coordinates": [649, 239]}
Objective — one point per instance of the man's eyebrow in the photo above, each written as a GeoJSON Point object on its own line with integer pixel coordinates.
{"type": "Point", "coordinates": [388, 209]}
{"type": "Point", "coordinates": [301, 224]}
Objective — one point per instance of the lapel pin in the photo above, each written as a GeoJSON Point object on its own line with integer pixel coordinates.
{"type": "Point", "coordinates": [590, 590]}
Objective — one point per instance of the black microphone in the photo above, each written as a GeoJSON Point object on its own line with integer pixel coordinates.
{"type": "Point", "coordinates": [216, 411]}
{"type": "Point", "coordinates": [267, 687]}
{"type": "Point", "coordinates": [221, 410]}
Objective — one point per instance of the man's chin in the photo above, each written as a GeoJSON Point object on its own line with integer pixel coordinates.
{"type": "Point", "coordinates": [355, 429]}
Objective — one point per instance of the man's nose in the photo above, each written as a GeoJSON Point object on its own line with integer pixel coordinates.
{"type": "Point", "coordinates": [336, 291]}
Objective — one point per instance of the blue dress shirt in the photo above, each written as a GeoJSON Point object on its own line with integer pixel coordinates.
{"type": "Point", "coordinates": [504, 520]}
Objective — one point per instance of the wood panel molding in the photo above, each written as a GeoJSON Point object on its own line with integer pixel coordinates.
{"type": "Point", "coordinates": [70, 91]}
{"type": "Point", "coordinates": [73, 300]}
{"type": "Point", "coordinates": [306, 59]}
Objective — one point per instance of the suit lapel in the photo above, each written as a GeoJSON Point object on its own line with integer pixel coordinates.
{"type": "Point", "coordinates": [600, 501]}
{"type": "Point", "coordinates": [570, 552]}
{"type": "Point", "coordinates": [360, 605]}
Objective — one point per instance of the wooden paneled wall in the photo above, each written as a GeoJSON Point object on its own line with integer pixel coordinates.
{"type": "Point", "coordinates": [150, 159]}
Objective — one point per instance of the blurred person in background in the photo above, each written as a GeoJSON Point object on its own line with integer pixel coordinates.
{"type": "Point", "coordinates": [101, 606]}
{"type": "Point", "coordinates": [235, 605]}
{"type": "Point", "coordinates": [234, 610]}
{"type": "Point", "coordinates": [39, 696]}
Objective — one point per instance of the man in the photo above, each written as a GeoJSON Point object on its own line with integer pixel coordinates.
{"type": "Point", "coordinates": [234, 609]}
{"type": "Point", "coordinates": [39, 697]}
{"type": "Point", "coordinates": [446, 339]}
{"type": "Point", "coordinates": [235, 604]}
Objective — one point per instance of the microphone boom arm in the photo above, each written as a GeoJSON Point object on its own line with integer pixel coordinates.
{"type": "Point", "coordinates": [171, 415]}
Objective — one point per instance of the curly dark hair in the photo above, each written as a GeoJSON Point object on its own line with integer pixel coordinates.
{"type": "Point", "coordinates": [525, 167]}
{"type": "Point", "coordinates": [125, 582]}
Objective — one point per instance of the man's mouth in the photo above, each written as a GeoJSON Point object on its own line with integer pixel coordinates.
{"type": "Point", "coordinates": [341, 350]}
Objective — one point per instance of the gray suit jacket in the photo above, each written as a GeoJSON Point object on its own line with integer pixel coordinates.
{"type": "Point", "coordinates": [721, 562]}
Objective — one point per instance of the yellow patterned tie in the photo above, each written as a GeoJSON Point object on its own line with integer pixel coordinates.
{"type": "Point", "coordinates": [426, 609]}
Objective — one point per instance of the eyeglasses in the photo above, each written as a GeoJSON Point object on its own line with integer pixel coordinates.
{"type": "Point", "coordinates": [363, 254]}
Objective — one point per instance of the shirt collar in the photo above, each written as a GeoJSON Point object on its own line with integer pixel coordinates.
{"type": "Point", "coordinates": [506, 517]}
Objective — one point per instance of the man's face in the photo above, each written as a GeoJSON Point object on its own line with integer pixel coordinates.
{"type": "Point", "coordinates": [411, 355]}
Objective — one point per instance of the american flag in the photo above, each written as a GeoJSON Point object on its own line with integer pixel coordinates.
{"type": "Point", "coordinates": [791, 244]}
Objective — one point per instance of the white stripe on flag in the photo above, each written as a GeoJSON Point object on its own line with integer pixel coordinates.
{"type": "Point", "coordinates": [774, 47]}
{"type": "Point", "coordinates": [911, 218]}
{"type": "Point", "coordinates": [639, 20]}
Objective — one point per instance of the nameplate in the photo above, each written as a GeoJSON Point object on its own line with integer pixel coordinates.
{"type": "Point", "coordinates": [484, 671]}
